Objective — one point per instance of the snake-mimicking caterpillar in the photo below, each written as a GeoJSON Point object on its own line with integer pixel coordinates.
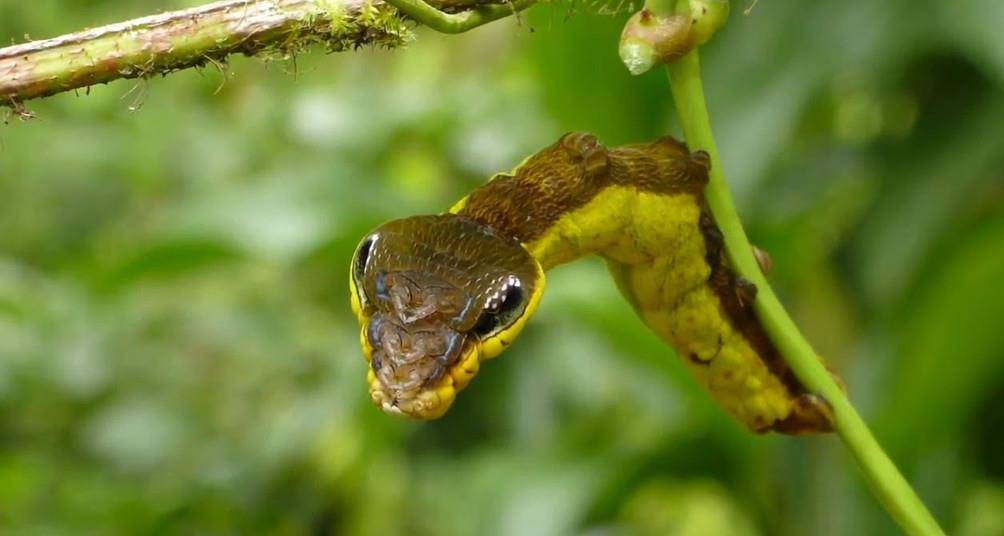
{"type": "Point", "coordinates": [437, 295]}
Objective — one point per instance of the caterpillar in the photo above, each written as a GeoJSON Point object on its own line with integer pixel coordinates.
{"type": "Point", "coordinates": [437, 295]}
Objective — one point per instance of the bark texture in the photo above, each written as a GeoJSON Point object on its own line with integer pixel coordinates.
{"type": "Point", "coordinates": [171, 41]}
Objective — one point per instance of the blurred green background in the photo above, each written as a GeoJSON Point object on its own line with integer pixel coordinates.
{"type": "Point", "coordinates": [177, 353]}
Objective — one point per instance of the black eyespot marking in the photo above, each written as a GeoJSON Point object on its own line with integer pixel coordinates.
{"type": "Point", "coordinates": [502, 309]}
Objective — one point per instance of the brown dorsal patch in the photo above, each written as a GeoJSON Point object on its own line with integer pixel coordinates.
{"type": "Point", "coordinates": [810, 414]}
{"type": "Point", "coordinates": [570, 173]}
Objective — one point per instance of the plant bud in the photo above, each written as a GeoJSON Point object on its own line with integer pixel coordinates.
{"type": "Point", "coordinates": [649, 39]}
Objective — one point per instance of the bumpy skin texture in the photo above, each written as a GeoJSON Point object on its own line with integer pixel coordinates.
{"type": "Point", "coordinates": [640, 207]}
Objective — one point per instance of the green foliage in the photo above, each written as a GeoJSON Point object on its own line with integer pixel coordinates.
{"type": "Point", "coordinates": [177, 354]}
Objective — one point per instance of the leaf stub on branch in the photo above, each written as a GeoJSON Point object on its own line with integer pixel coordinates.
{"type": "Point", "coordinates": [164, 43]}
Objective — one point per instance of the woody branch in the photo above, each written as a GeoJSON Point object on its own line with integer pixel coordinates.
{"type": "Point", "coordinates": [176, 40]}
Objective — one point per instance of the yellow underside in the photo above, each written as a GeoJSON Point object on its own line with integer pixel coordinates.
{"type": "Point", "coordinates": [656, 252]}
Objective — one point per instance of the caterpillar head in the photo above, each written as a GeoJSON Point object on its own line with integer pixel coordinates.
{"type": "Point", "coordinates": [435, 296]}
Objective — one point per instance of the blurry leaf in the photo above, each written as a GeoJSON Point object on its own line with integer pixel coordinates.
{"type": "Point", "coordinates": [982, 511]}
{"type": "Point", "coordinates": [950, 342]}
{"type": "Point", "coordinates": [972, 26]}
{"type": "Point", "coordinates": [498, 493]}
{"type": "Point", "coordinates": [685, 509]}
{"type": "Point", "coordinates": [169, 259]}
{"type": "Point", "coordinates": [934, 188]}
{"type": "Point", "coordinates": [587, 292]}
{"type": "Point", "coordinates": [758, 79]}
{"type": "Point", "coordinates": [136, 435]}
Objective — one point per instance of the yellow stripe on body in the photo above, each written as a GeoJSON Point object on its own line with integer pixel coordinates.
{"type": "Point", "coordinates": [656, 251]}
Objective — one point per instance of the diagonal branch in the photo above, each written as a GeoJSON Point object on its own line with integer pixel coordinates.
{"type": "Point", "coordinates": [176, 40]}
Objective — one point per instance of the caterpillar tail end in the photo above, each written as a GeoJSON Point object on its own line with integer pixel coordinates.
{"type": "Point", "coordinates": [810, 414]}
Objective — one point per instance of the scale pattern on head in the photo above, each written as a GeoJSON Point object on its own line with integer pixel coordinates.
{"type": "Point", "coordinates": [435, 295]}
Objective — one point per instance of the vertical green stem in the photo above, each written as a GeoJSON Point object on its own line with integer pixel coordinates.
{"type": "Point", "coordinates": [889, 486]}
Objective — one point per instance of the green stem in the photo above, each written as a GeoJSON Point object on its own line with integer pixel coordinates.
{"type": "Point", "coordinates": [885, 480]}
{"type": "Point", "coordinates": [462, 21]}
